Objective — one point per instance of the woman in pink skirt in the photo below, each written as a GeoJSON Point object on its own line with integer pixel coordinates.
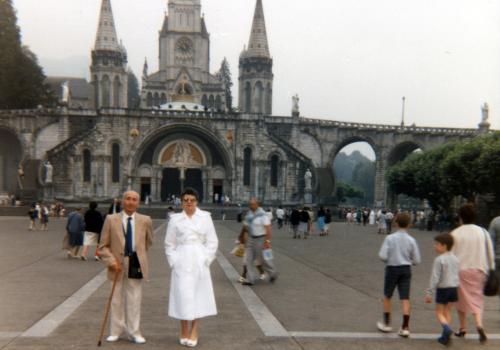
{"type": "Point", "coordinates": [474, 250]}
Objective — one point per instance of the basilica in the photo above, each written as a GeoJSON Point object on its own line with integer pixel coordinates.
{"type": "Point", "coordinates": [183, 134]}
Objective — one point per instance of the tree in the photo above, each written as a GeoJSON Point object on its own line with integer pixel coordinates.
{"type": "Point", "coordinates": [345, 191]}
{"type": "Point", "coordinates": [134, 98]}
{"type": "Point", "coordinates": [21, 78]}
{"type": "Point", "coordinates": [467, 169]}
{"type": "Point", "coordinates": [225, 77]}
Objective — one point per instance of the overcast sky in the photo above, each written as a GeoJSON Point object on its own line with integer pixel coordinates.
{"type": "Point", "coordinates": [348, 60]}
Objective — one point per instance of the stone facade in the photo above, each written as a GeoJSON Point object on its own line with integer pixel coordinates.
{"type": "Point", "coordinates": [97, 153]}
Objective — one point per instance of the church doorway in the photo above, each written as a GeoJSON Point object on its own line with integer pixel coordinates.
{"type": "Point", "coordinates": [170, 184]}
{"type": "Point", "coordinates": [145, 188]}
{"type": "Point", "coordinates": [218, 190]}
{"type": "Point", "coordinates": [194, 180]}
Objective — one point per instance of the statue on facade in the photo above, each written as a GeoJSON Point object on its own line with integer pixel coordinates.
{"type": "Point", "coordinates": [308, 180]}
{"type": "Point", "coordinates": [20, 176]}
{"type": "Point", "coordinates": [485, 112]}
{"type": "Point", "coordinates": [49, 169]}
{"type": "Point", "coordinates": [65, 92]}
{"type": "Point", "coordinates": [182, 153]}
{"type": "Point", "coordinates": [295, 104]}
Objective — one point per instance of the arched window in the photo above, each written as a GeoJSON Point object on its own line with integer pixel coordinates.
{"type": "Point", "coordinates": [218, 103]}
{"type": "Point", "coordinates": [163, 99]}
{"type": "Point", "coordinates": [269, 99]}
{"type": "Point", "coordinates": [117, 88]}
{"type": "Point", "coordinates": [259, 97]}
{"type": "Point", "coordinates": [156, 99]}
{"type": "Point", "coordinates": [95, 83]}
{"type": "Point", "coordinates": [248, 98]}
{"type": "Point", "coordinates": [211, 102]}
{"type": "Point", "coordinates": [247, 166]}
{"type": "Point", "coordinates": [204, 101]}
{"type": "Point", "coordinates": [275, 160]}
{"type": "Point", "coordinates": [106, 91]}
{"type": "Point", "coordinates": [87, 165]}
{"type": "Point", "coordinates": [115, 166]}
{"type": "Point", "coordinates": [149, 100]}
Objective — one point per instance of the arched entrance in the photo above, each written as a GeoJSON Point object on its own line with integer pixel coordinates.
{"type": "Point", "coordinates": [10, 158]}
{"type": "Point", "coordinates": [182, 161]}
{"type": "Point", "coordinates": [354, 168]}
{"type": "Point", "coordinates": [184, 155]}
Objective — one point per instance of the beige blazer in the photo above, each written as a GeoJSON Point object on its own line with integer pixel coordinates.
{"type": "Point", "coordinates": [112, 245]}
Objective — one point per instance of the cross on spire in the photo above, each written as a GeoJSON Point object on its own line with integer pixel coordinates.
{"type": "Point", "coordinates": [106, 38]}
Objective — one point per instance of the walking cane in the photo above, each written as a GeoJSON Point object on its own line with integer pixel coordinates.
{"type": "Point", "coordinates": [108, 306]}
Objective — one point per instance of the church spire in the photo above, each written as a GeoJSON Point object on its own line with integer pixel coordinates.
{"type": "Point", "coordinates": [258, 44]}
{"type": "Point", "coordinates": [106, 38]}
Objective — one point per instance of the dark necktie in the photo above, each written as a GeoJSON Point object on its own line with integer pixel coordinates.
{"type": "Point", "coordinates": [128, 238]}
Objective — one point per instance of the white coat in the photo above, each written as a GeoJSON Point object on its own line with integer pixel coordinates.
{"type": "Point", "coordinates": [191, 245]}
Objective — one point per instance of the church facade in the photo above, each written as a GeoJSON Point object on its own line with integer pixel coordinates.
{"type": "Point", "coordinates": [184, 135]}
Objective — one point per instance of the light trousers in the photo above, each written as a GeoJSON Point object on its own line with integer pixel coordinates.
{"type": "Point", "coordinates": [253, 251]}
{"type": "Point", "coordinates": [126, 306]}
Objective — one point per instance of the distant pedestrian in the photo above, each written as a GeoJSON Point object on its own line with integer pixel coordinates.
{"type": "Point", "coordinates": [399, 252]}
{"type": "Point", "coordinates": [474, 250]}
{"type": "Point", "coordinates": [328, 221]}
{"type": "Point", "coordinates": [115, 207]}
{"type": "Point", "coordinates": [295, 222]}
{"type": "Point", "coordinates": [389, 216]}
{"type": "Point", "coordinates": [75, 227]}
{"type": "Point", "coordinates": [32, 216]}
{"type": "Point", "coordinates": [44, 217]}
{"type": "Point", "coordinates": [304, 224]}
{"type": "Point", "coordinates": [495, 233]}
{"type": "Point", "coordinates": [93, 228]}
{"type": "Point", "coordinates": [444, 284]}
{"type": "Point", "coordinates": [320, 222]}
{"type": "Point", "coordinates": [280, 216]}
{"type": "Point", "coordinates": [382, 223]}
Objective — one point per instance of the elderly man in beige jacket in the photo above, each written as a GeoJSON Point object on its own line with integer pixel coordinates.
{"type": "Point", "coordinates": [125, 240]}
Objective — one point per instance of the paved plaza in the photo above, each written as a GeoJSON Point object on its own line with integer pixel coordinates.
{"type": "Point", "coordinates": [327, 297]}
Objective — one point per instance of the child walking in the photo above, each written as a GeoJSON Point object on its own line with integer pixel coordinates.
{"type": "Point", "coordinates": [444, 283]}
{"type": "Point", "coordinates": [399, 252]}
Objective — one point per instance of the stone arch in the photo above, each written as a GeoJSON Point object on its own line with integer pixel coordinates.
{"type": "Point", "coordinates": [105, 91]}
{"type": "Point", "coordinates": [11, 156]}
{"type": "Point", "coordinates": [117, 92]}
{"type": "Point", "coordinates": [401, 151]}
{"type": "Point", "coordinates": [350, 140]}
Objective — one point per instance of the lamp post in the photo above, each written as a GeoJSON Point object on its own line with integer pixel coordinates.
{"type": "Point", "coordinates": [403, 113]}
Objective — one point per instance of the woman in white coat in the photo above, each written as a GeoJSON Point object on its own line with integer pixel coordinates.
{"type": "Point", "coordinates": [191, 244]}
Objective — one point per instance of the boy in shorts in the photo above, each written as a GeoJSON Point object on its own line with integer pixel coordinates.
{"type": "Point", "coordinates": [444, 283]}
{"type": "Point", "coordinates": [399, 252]}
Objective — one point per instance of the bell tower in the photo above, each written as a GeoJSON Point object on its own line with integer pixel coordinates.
{"type": "Point", "coordinates": [109, 63]}
{"type": "Point", "coordinates": [256, 69]}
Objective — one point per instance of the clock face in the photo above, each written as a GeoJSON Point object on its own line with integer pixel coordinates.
{"type": "Point", "coordinates": [184, 47]}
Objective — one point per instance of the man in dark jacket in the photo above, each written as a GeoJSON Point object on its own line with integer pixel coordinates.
{"type": "Point", "coordinates": [93, 227]}
{"type": "Point", "coordinates": [75, 227]}
{"type": "Point", "coordinates": [294, 221]}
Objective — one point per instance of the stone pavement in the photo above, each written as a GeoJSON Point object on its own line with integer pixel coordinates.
{"type": "Point", "coordinates": [327, 297]}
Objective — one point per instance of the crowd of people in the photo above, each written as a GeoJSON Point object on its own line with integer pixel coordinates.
{"type": "Point", "coordinates": [122, 237]}
{"type": "Point", "coordinates": [40, 212]}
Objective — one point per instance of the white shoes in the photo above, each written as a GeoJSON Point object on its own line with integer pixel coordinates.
{"type": "Point", "coordinates": [138, 339]}
{"type": "Point", "coordinates": [192, 343]}
{"type": "Point", "coordinates": [404, 332]}
{"type": "Point", "coordinates": [112, 338]}
{"type": "Point", "coordinates": [383, 327]}
{"type": "Point", "coordinates": [183, 341]}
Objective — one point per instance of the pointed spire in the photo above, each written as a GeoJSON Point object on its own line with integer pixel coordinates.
{"type": "Point", "coordinates": [258, 44]}
{"type": "Point", "coordinates": [106, 38]}
{"type": "Point", "coordinates": [145, 69]}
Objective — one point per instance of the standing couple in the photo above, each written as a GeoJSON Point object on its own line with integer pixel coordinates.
{"type": "Point", "coordinates": [190, 245]}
